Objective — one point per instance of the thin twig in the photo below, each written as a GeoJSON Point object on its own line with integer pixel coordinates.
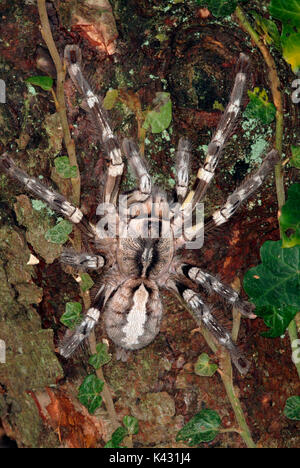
{"type": "Point", "coordinates": [275, 86]}
{"type": "Point", "coordinates": [60, 95]}
{"type": "Point", "coordinates": [59, 99]}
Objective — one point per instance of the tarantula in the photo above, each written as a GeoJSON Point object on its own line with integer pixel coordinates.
{"type": "Point", "coordinates": [133, 265]}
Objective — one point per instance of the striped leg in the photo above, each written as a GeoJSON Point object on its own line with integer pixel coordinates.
{"type": "Point", "coordinates": [138, 166]}
{"type": "Point", "coordinates": [212, 284]}
{"type": "Point", "coordinates": [244, 191]}
{"type": "Point", "coordinates": [54, 199]}
{"type": "Point", "coordinates": [73, 338]}
{"type": "Point", "coordinates": [202, 315]}
{"type": "Point", "coordinates": [93, 107]}
{"type": "Point", "coordinates": [182, 168]}
{"type": "Point", "coordinates": [82, 261]}
{"type": "Point", "coordinates": [224, 129]}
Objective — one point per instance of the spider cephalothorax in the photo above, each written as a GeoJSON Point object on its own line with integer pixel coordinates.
{"type": "Point", "coordinates": [136, 245]}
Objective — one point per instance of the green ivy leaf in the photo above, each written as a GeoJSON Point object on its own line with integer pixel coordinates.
{"type": "Point", "coordinates": [290, 218]}
{"type": "Point", "coordinates": [131, 424]}
{"type": "Point", "coordinates": [101, 358]}
{"type": "Point", "coordinates": [295, 160]}
{"type": "Point", "coordinates": [274, 285]}
{"type": "Point", "coordinates": [44, 82]}
{"type": "Point", "coordinates": [72, 315]}
{"type": "Point", "coordinates": [277, 319]}
{"type": "Point", "coordinates": [267, 29]}
{"type": "Point", "coordinates": [110, 99]}
{"type": "Point", "coordinates": [59, 234]}
{"type": "Point", "coordinates": [89, 393]}
{"type": "Point", "coordinates": [219, 8]}
{"type": "Point", "coordinates": [203, 367]}
{"type": "Point", "coordinates": [292, 408]}
{"type": "Point", "coordinates": [287, 11]}
{"type": "Point", "coordinates": [118, 436]}
{"type": "Point", "coordinates": [64, 169]}
{"type": "Point", "coordinates": [259, 106]}
{"type": "Point", "coordinates": [160, 117]}
{"type": "Point", "coordinates": [290, 40]}
{"type": "Point", "coordinates": [86, 282]}
{"type": "Point", "coordinates": [203, 427]}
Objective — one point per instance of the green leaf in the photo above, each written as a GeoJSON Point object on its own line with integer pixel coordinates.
{"type": "Point", "coordinates": [110, 99]}
{"type": "Point", "coordinates": [101, 358]}
{"type": "Point", "coordinates": [131, 424]}
{"type": "Point", "coordinates": [86, 282]}
{"type": "Point", "coordinates": [287, 11]}
{"type": "Point", "coordinates": [259, 106]}
{"type": "Point", "coordinates": [290, 40]}
{"type": "Point", "coordinates": [160, 117]}
{"type": "Point", "coordinates": [59, 234]}
{"type": "Point", "coordinates": [89, 393]}
{"type": "Point", "coordinates": [44, 82]}
{"type": "Point", "coordinates": [72, 315]}
{"type": "Point", "coordinates": [203, 427]}
{"type": "Point", "coordinates": [219, 8]}
{"type": "Point", "coordinates": [292, 408]}
{"type": "Point", "coordinates": [118, 436]}
{"type": "Point", "coordinates": [295, 160]}
{"type": "Point", "coordinates": [274, 285]}
{"type": "Point", "coordinates": [203, 367]}
{"type": "Point", "coordinates": [277, 318]}
{"type": "Point", "coordinates": [64, 169]}
{"type": "Point", "coordinates": [267, 29]}
{"type": "Point", "coordinates": [290, 218]}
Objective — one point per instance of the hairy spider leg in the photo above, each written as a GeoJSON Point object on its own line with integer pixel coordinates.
{"type": "Point", "coordinates": [220, 137]}
{"type": "Point", "coordinates": [139, 168]}
{"type": "Point", "coordinates": [54, 199]}
{"type": "Point", "coordinates": [244, 191]}
{"type": "Point", "coordinates": [73, 338]}
{"type": "Point", "coordinates": [93, 107]}
{"type": "Point", "coordinates": [183, 156]}
{"type": "Point", "coordinates": [213, 284]}
{"type": "Point", "coordinates": [203, 316]}
{"type": "Point", "coordinates": [82, 261]}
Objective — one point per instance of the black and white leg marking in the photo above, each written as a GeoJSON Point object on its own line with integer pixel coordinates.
{"type": "Point", "coordinates": [82, 261]}
{"type": "Point", "coordinates": [223, 131]}
{"type": "Point", "coordinates": [202, 314]}
{"type": "Point", "coordinates": [99, 119]}
{"type": "Point", "coordinates": [244, 191]}
{"type": "Point", "coordinates": [54, 199]}
{"type": "Point", "coordinates": [74, 338]}
{"type": "Point", "coordinates": [212, 284]}
{"type": "Point", "coordinates": [138, 166]}
{"type": "Point", "coordinates": [183, 156]}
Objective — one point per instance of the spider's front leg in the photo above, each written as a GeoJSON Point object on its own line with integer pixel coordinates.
{"type": "Point", "coordinates": [202, 315]}
{"type": "Point", "coordinates": [244, 191]}
{"type": "Point", "coordinates": [140, 170]}
{"type": "Point", "coordinates": [93, 107]}
{"type": "Point", "coordinates": [183, 157]}
{"type": "Point", "coordinates": [54, 199]}
{"type": "Point", "coordinates": [212, 284]}
{"type": "Point", "coordinates": [221, 135]}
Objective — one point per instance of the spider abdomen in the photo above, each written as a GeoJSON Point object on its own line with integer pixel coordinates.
{"type": "Point", "coordinates": [132, 316]}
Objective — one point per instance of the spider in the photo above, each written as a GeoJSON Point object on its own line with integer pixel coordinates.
{"type": "Point", "coordinates": [134, 266]}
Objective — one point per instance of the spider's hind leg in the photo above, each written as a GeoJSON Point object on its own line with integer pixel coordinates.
{"type": "Point", "coordinates": [203, 315]}
{"type": "Point", "coordinates": [212, 284]}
